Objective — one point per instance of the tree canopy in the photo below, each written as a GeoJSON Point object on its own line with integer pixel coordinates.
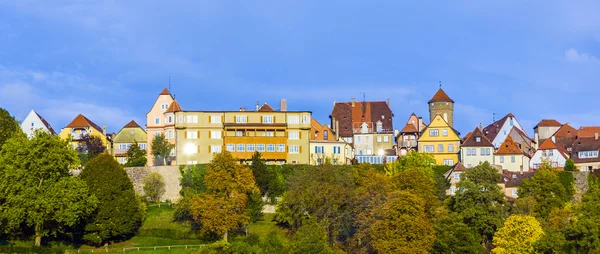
{"type": "Point", "coordinates": [161, 149]}
{"type": "Point", "coordinates": [154, 186]}
{"type": "Point", "coordinates": [545, 189]}
{"type": "Point", "coordinates": [136, 157]}
{"type": "Point", "coordinates": [517, 235]}
{"type": "Point", "coordinates": [8, 126]}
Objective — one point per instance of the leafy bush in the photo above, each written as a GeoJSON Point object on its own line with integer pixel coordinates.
{"type": "Point", "coordinates": [154, 187]}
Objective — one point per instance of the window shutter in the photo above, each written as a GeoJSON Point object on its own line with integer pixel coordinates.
{"type": "Point", "coordinates": [198, 134]}
{"type": "Point", "coordinates": [209, 134]}
{"type": "Point", "coordinates": [300, 149]}
{"type": "Point", "coordinates": [198, 149]}
{"type": "Point", "coordinates": [274, 121]}
{"type": "Point", "coordinates": [185, 134]}
{"type": "Point", "coordinates": [210, 149]}
{"type": "Point", "coordinates": [299, 135]}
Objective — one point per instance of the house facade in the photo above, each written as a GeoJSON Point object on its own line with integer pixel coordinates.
{"type": "Point", "coordinates": [440, 140]}
{"type": "Point", "coordinates": [324, 146]}
{"type": "Point", "coordinates": [157, 123]}
{"type": "Point", "coordinates": [406, 140]}
{"type": "Point", "coordinates": [126, 137]}
{"type": "Point", "coordinates": [545, 129]}
{"type": "Point", "coordinates": [34, 122]}
{"type": "Point", "coordinates": [548, 151]}
{"type": "Point", "coordinates": [510, 157]}
{"type": "Point", "coordinates": [453, 176]}
{"type": "Point", "coordinates": [499, 130]}
{"type": "Point", "coordinates": [585, 153]}
{"type": "Point", "coordinates": [476, 149]}
{"type": "Point", "coordinates": [76, 130]}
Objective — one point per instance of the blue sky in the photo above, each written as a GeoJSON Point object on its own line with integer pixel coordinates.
{"type": "Point", "coordinates": [110, 59]}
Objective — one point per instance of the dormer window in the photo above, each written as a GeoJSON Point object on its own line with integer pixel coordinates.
{"type": "Point", "coordinates": [379, 127]}
{"type": "Point", "coordinates": [478, 139]}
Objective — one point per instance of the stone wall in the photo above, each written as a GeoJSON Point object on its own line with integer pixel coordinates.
{"type": "Point", "coordinates": [169, 173]}
{"type": "Point", "coordinates": [581, 185]}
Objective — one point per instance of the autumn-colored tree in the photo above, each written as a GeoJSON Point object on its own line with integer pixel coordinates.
{"type": "Point", "coordinates": [420, 182]}
{"type": "Point", "coordinates": [556, 228]}
{"type": "Point", "coordinates": [36, 189]}
{"type": "Point", "coordinates": [546, 190]}
{"type": "Point", "coordinates": [402, 226]}
{"type": "Point", "coordinates": [223, 206]}
{"type": "Point", "coordinates": [517, 235]}
{"type": "Point", "coordinates": [154, 186]}
{"type": "Point", "coordinates": [413, 160]}
{"type": "Point", "coordinates": [8, 126]}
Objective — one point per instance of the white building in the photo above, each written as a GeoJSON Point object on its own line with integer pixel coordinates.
{"type": "Point", "coordinates": [33, 122]}
{"type": "Point", "coordinates": [476, 149]}
{"type": "Point", "coordinates": [550, 152]}
{"type": "Point", "coordinates": [499, 130]}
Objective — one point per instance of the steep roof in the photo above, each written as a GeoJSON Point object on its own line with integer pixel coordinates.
{"type": "Point", "coordinates": [583, 144]}
{"type": "Point", "coordinates": [440, 96]}
{"type": "Point", "coordinates": [550, 145]}
{"type": "Point", "coordinates": [165, 92]}
{"type": "Point", "coordinates": [547, 123]}
{"type": "Point", "coordinates": [174, 107]}
{"type": "Point", "coordinates": [492, 130]}
{"type": "Point", "coordinates": [408, 128]}
{"type": "Point", "coordinates": [514, 179]}
{"type": "Point", "coordinates": [369, 112]}
{"type": "Point", "coordinates": [412, 124]}
{"type": "Point", "coordinates": [509, 146]}
{"type": "Point", "coordinates": [266, 108]}
{"type": "Point", "coordinates": [588, 131]}
{"type": "Point", "coordinates": [132, 124]}
{"type": "Point", "coordinates": [472, 139]}
{"type": "Point", "coordinates": [458, 167]}
{"type": "Point", "coordinates": [81, 121]}
{"type": "Point", "coordinates": [565, 130]}
{"type": "Point", "coordinates": [48, 126]}
{"type": "Point", "coordinates": [317, 132]}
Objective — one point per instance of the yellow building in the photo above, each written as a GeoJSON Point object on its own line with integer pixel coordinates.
{"type": "Point", "coordinates": [324, 145]}
{"type": "Point", "coordinates": [441, 140]}
{"type": "Point", "coordinates": [81, 126]}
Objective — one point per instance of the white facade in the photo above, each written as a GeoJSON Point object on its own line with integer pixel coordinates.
{"type": "Point", "coordinates": [340, 153]}
{"type": "Point", "coordinates": [505, 130]}
{"type": "Point", "coordinates": [32, 123]}
{"type": "Point", "coordinates": [472, 156]}
{"type": "Point", "coordinates": [553, 156]}
{"type": "Point", "coordinates": [512, 162]}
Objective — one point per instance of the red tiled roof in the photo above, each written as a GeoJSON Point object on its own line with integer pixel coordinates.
{"type": "Point", "coordinates": [550, 145]}
{"type": "Point", "coordinates": [363, 112]}
{"type": "Point", "coordinates": [492, 130]}
{"type": "Point", "coordinates": [583, 144]}
{"type": "Point", "coordinates": [471, 140]}
{"type": "Point", "coordinates": [165, 92]}
{"type": "Point", "coordinates": [81, 121]}
{"type": "Point", "coordinates": [548, 123]}
{"type": "Point", "coordinates": [588, 131]}
{"type": "Point", "coordinates": [509, 147]}
{"type": "Point", "coordinates": [266, 108]}
{"type": "Point", "coordinates": [565, 131]}
{"type": "Point", "coordinates": [132, 124]}
{"type": "Point", "coordinates": [459, 167]}
{"type": "Point", "coordinates": [440, 96]}
{"type": "Point", "coordinates": [174, 107]}
{"type": "Point", "coordinates": [409, 128]}
{"type": "Point", "coordinates": [48, 126]}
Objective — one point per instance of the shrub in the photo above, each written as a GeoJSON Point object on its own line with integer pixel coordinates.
{"type": "Point", "coordinates": [154, 187]}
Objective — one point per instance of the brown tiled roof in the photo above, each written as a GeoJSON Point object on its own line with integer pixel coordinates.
{"type": "Point", "coordinates": [491, 131]}
{"type": "Point", "coordinates": [471, 140]}
{"type": "Point", "coordinates": [550, 145]}
{"type": "Point", "coordinates": [440, 96]}
{"type": "Point", "coordinates": [48, 126]}
{"type": "Point", "coordinates": [362, 112]}
{"type": "Point", "coordinates": [266, 108]}
{"type": "Point", "coordinates": [174, 107]}
{"type": "Point", "coordinates": [565, 130]}
{"type": "Point", "coordinates": [459, 167]}
{"type": "Point", "coordinates": [132, 124]}
{"type": "Point", "coordinates": [588, 131]}
{"type": "Point", "coordinates": [409, 128]}
{"type": "Point", "coordinates": [514, 179]}
{"type": "Point", "coordinates": [548, 123]}
{"type": "Point", "coordinates": [317, 132]}
{"type": "Point", "coordinates": [526, 143]}
{"type": "Point", "coordinates": [165, 92]}
{"type": "Point", "coordinates": [585, 144]}
{"type": "Point", "coordinates": [509, 147]}
{"type": "Point", "coordinates": [81, 121]}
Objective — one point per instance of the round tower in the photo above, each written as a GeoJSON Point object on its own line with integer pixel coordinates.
{"type": "Point", "coordinates": [442, 105]}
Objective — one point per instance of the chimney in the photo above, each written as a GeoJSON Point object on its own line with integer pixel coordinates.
{"type": "Point", "coordinates": [334, 102]}
{"type": "Point", "coordinates": [283, 105]}
{"type": "Point", "coordinates": [104, 130]}
{"type": "Point", "coordinates": [388, 102]}
{"type": "Point", "coordinates": [242, 109]}
{"type": "Point", "coordinates": [554, 139]}
{"type": "Point", "coordinates": [596, 136]}
{"type": "Point", "coordinates": [480, 126]}
{"type": "Point", "coordinates": [257, 106]}
{"type": "Point", "coordinates": [353, 102]}
{"type": "Point", "coordinates": [420, 123]}
{"type": "Point", "coordinates": [536, 137]}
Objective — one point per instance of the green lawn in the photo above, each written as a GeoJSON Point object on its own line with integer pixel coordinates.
{"type": "Point", "coordinates": [264, 227]}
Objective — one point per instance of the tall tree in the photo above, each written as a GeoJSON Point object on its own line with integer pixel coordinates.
{"type": "Point", "coordinates": [118, 216]}
{"type": "Point", "coordinates": [453, 236]}
{"type": "Point", "coordinates": [585, 234]}
{"type": "Point", "coordinates": [36, 188]}
{"type": "Point", "coordinates": [422, 183]}
{"type": "Point", "coordinates": [570, 165]}
{"type": "Point", "coordinates": [154, 186]}
{"type": "Point", "coordinates": [223, 207]}
{"type": "Point", "coordinates": [546, 190]}
{"type": "Point", "coordinates": [8, 126]}
{"type": "Point", "coordinates": [518, 235]}
{"type": "Point", "coordinates": [161, 149]}
{"type": "Point", "coordinates": [90, 147]}
{"type": "Point", "coordinates": [261, 173]}
{"type": "Point", "coordinates": [413, 160]}
{"type": "Point", "coordinates": [310, 238]}
{"type": "Point", "coordinates": [136, 157]}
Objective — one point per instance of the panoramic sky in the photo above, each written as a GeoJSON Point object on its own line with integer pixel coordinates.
{"type": "Point", "coordinates": [110, 59]}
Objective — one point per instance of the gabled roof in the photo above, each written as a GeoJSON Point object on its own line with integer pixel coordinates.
{"type": "Point", "coordinates": [362, 112]}
{"type": "Point", "coordinates": [583, 144]}
{"type": "Point", "coordinates": [48, 126]}
{"type": "Point", "coordinates": [409, 128]}
{"type": "Point", "coordinates": [81, 121]}
{"type": "Point", "coordinates": [492, 130]}
{"type": "Point", "coordinates": [317, 132]}
{"type": "Point", "coordinates": [550, 145]}
{"type": "Point", "coordinates": [509, 146]}
{"type": "Point", "coordinates": [266, 108]}
{"type": "Point", "coordinates": [458, 167]}
{"type": "Point", "coordinates": [447, 125]}
{"type": "Point", "coordinates": [547, 123]}
{"type": "Point", "coordinates": [588, 131]}
{"type": "Point", "coordinates": [412, 124]}
{"type": "Point", "coordinates": [132, 124]}
{"type": "Point", "coordinates": [514, 179]}
{"type": "Point", "coordinates": [565, 130]}
{"type": "Point", "coordinates": [440, 96]}
{"type": "Point", "coordinates": [472, 139]}
{"type": "Point", "coordinates": [165, 92]}
{"type": "Point", "coordinates": [174, 107]}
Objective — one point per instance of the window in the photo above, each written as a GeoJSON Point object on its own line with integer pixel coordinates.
{"type": "Point", "coordinates": [514, 192]}
{"type": "Point", "coordinates": [269, 134]}
{"type": "Point", "coordinates": [488, 151]}
{"type": "Point", "coordinates": [450, 148]}
{"type": "Point", "coordinates": [448, 162]}
{"type": "Point", "coordinates": [379, 127]}
{"type": "Point", "coordinates": [180, 119]}
{"type": "Point", "coordinates": [336, 150]}
{"type": "Point", "coordinates": [293, 135]}
{"type": "Point", "coordinates": [260, 148]}
{"type": "Point", "coordinates": [378, 139]}
{"type": "Point", "coordinates": [230, 147]}
{"type": "Point", "coordinates": [32, 124]}
{"type": "Point", "coordinates": [325, 135]}
{"type": "Point", "coordinates": [294, 149]}
{"type": "Point", "coordinates": [164, 106]}
{"type": "Point", "coordinates": [169, 119]}
{"type": "Point", "coordinates": [215, 149]}
{"type": "Point", "coordinates": [428, 148]}
{"type": "Point", "coordinates": [305, 119]}
{"type": "Point", "coordinates": [452, 190]}
{"type": "Point", "coordinates": [445, 132]}
{"type": "Point", "coordinates": [358, 139]}
{"type": "Point", "coordinates": [157, 120]}
{"type": "Point", "coordinates": [501, 159]}
{"type": "Point", "coordinates": [504, 132]}
{"type": "Point", "coordinates": [440, 148]}
{"type": "Point", "coordinates": [170, 135]}
{"type": "Point", "coordinates": [240, 119]}
{"type": "Point", "coordinates": [142, 146]}
{"type": "Point", "coordinates": [250, 148]}
{"type": "Point", "coordinates": [123, 146]}
{"type": "Point", "coordinates": [215, 134]}
{"type": "Point", "coordinates": [468, 165]}
{"type": "Point", "coordinates": [280, 148]}
{"type": "Point", "coordinates": [511, 122]}
{"type": "Point", "coordinates": [267, 119]}
{"type": "Point", "coordinates": [241, 147]}
{"type": "Point", "coordinates": [319, 149]}
{"type": "Point", "coordinates": [512, 159]}
{"type": "Point", "coordinates": [588, 154]}
{"type": "Point", "coordinates": [467, 151]}
{"type": "Point", "coordinates": [156, 134]}
{"type": "Point", "coordinates": [434, 132]}
{"type": "Point", "coordinates": [456, 175]}
{"type": "Point", "coordinates": [293, 119]}
{"type": "Point", "coordinates": [192, 119]}
{"type": "Point", "coordinates": [478, 139]}
{"type": "Point", "coordinates": [270, 148]}
{"type": "Point", "coordinates": [482, 151]}
{"type": "Point", "coordinates": [215, 119]}
{"type": "Point", "coordinates": [551, 153]}
{"type": "Point", "coordinates": [386, 139]}
{"type": "Point", "coordinates": [192, 135]}
{"type": "Point", "coordinates": [239, 133]}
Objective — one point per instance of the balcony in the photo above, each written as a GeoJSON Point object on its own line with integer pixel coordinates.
{"type": "Point", "coordinates": [407, 143]}
{"type": "Point", "coordinates": [370, 130]}
{"type": "Point", "coordinates": [374, 159]}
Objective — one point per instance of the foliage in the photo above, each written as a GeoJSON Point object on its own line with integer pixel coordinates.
{"type": "Point", "coordinates": [517, 235]}
{"type": "Point", "coordinates": [412, 160]}
{"type": "Point", "coordinates": [546, 190]}
{"type": "Point", "coordinates": [89, 147]}
{"type": "Point", "coordinates": [556, 227]}
{"type": "Point", "coordinates": [36, 189]}
{"type": "Point", "coordinates": [568, 181]}
{"type": "Point", "coordinates": [223, 206]}
{"type": "Point", "coordinates": [480, 201]}
{"type": "Point", "coordinates": [585, 232]}
{"type": "Point", "coordinates": [272, 244]}
{"type": "Point", "coordinates": [118, 216]}
{"type": "Point", "coordinates": [420, 183]}
{"type": "Point", "coordinates": [570, 165]}
{"type": "Point", "coordinates": [154, 186]}
{"type": "Point", "coordinates": [453, 236]}
{"type": "Point", "coordinates": [254, 205]}
{"type": "Point", "coordinates": [402, 226]}
{"type": "Point", "coordinates": [8, 126]}
{"type": "Point", "coordinates": [269, 180]}
{"type": "Point", "coordinates": [192, 179]}
{"type": "Point", "coordinates": [136, 157]}
{"type": "Point", "coordinates": [310, 238]}
{"type": "Point", "coordinates": [161, 149]}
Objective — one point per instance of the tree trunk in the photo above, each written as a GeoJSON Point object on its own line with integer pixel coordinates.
{"type": "Point", "coordinates": [38, 238]}
{"type": "Point", "coordinates": [225, 236]}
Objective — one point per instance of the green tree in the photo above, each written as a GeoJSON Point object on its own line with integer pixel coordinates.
{"type": "Point", "coordinates": [422, 183]}
{"type": "Point", "coordinates": [90, 147]}
{"type": "Point", "coordinates": [136, 157]}
{"type": "Point", "coordinates": [261, 173]}
{"type": "Point", "coordinates": [192, 184]}
{"type": "Point", "coordinates": [480, 201]}
{"type": "Point", "coordinates": [223, 207]}
{"type": "Point", "coordinates": [453, 236]}
{"type": "Point", "coordinates": [36, 189]}
{"type": "Point", "coordinates": [161, 149]}
{"type": "Point", "coordinates": [273, 243]}
{"type": "Point", "coordinates": [518, 235]}
{"type": "Point", "coordinates": [556, 228]}
{"type": "Point", "coordinates": [585, 233]}
{"type": "Point", "coordinates": [255, 205]}
{"type": "Point", "coordinates": [412, 160]}
{"type": "Point", "coordinates": [402, 226]}
{"type": "Point", "coordinates": [8, 126]}
{"type": "Point", "coordinates": [546, 190]}
{"type": "Point", "coordinates": [118, 216]}
{"type": "Point", "coordinates": [570, 165]}
{"type": "Point", "coordinates": [154, 186]}
{"type": "Point", "coordinates": [310, 238]}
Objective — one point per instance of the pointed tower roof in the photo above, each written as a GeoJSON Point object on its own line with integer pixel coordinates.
{"type": "Point", "coordinates": [266, 108]}
{"type": "Point", "coordinates": [165, 92]}
{"type": "Point", "coordinates": [476, 138]}
{"type": "Point", "coordinates": [509, 147]}
{"type": "Point", "coordinates": [132, 124]}
{"type": "Point", "coordinates": [174, 107]}
{"type": "Point", "coordinates": [81, 121]}
{"type": "Point", "coordinates": [441, 96]}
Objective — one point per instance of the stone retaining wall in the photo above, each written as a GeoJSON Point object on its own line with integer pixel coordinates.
{"type": "Point", "coordinates": [169, 173]}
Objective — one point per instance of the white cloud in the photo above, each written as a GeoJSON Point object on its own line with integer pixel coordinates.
{"type": "Point", "coordinates": [572, 55]}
